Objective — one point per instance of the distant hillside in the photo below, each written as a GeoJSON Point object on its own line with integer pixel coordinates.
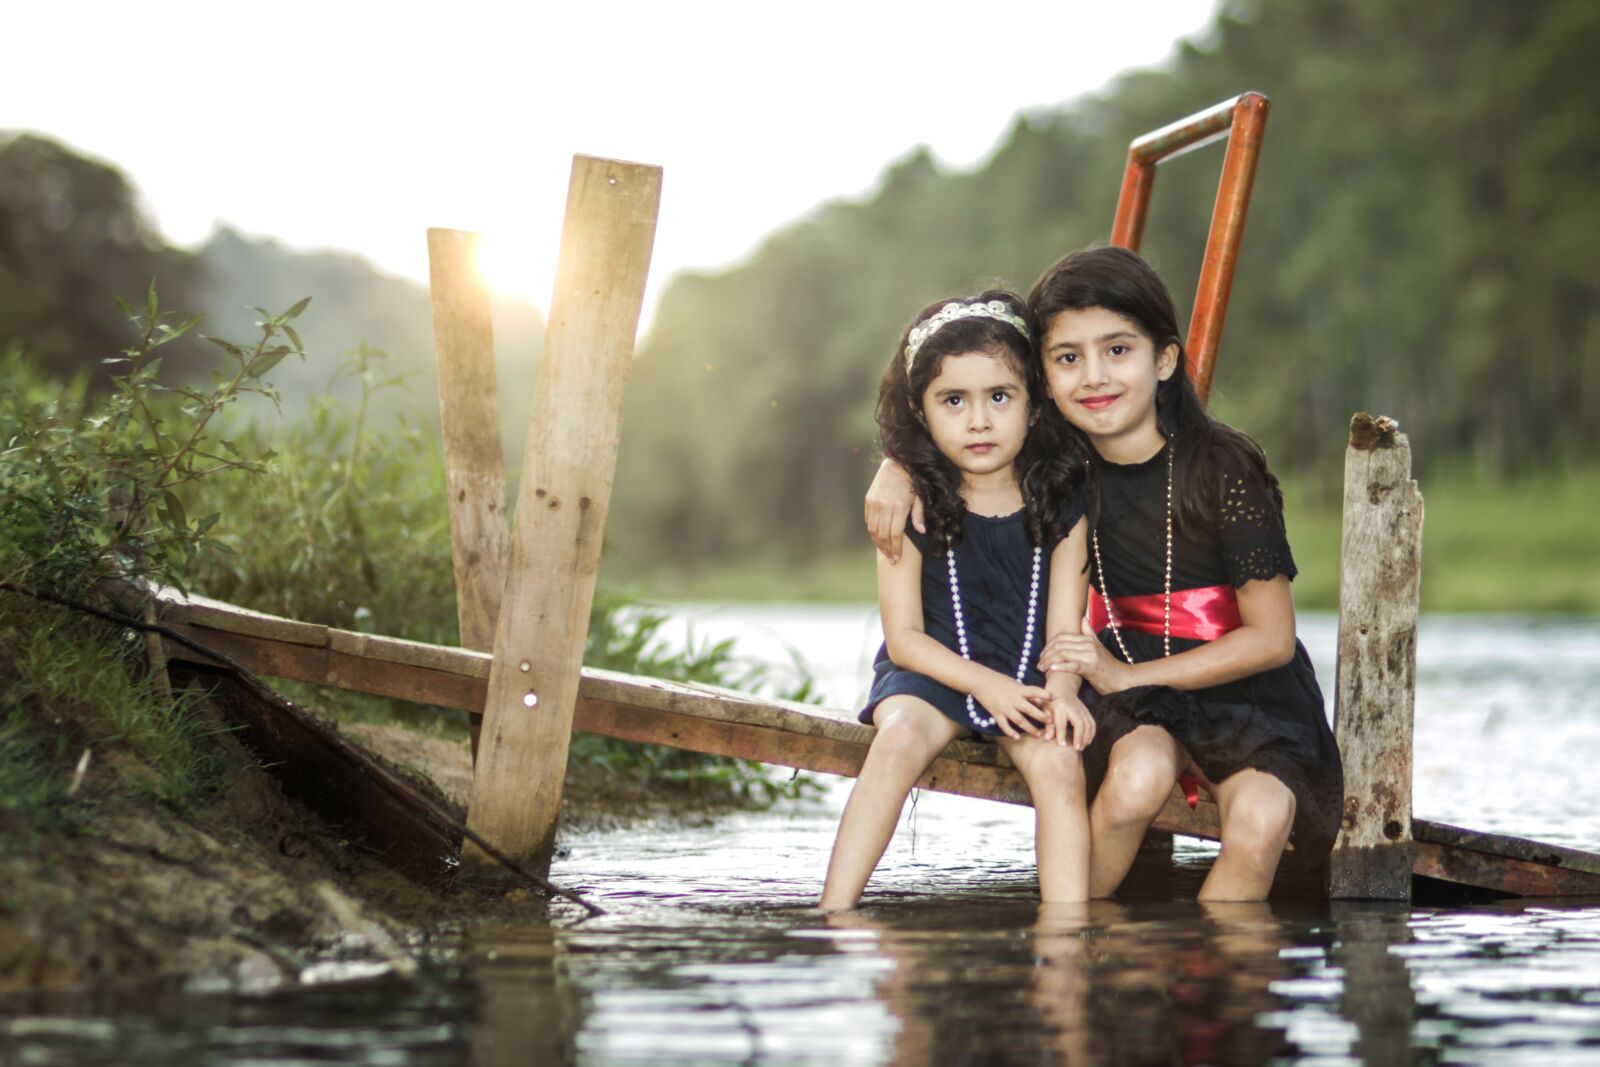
{"type": "Point", "coordinates": [353, 303]}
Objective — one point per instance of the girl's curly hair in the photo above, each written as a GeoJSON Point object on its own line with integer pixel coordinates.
{"type": "Point", "coordinates": [1049, 467]}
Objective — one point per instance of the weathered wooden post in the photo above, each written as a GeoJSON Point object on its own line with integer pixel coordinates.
{"type": "Point", "coordinates": [1379, 580]}
{"type": "Point", "coordinates": [567, 471]}
{"type": "Point", "coordinates": [469, 419]}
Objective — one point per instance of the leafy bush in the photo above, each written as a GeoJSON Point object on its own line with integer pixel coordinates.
{"type": "Point", "coordinates": [333, 523]}
{"type": "Point", "coordinates": [351, 529]}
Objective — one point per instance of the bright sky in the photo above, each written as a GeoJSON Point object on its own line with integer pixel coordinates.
{"type": "Point", "coordinates": [357, 125]}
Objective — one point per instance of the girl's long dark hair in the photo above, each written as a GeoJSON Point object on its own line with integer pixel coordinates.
{"type": "Point", "coordinates": [1121, 281]}
{"type": "Point", "coordinates": [1049, 467]}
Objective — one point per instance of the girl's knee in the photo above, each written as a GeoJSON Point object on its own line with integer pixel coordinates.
{"type": "Point", "coordinates": [1260, 819]}
{"type": "Point", "coordinates": [1045, 765]}
{"type": "Point", "coordinates": [1140, 776]}
{"type": "Point", "coordinates": [909, 732]}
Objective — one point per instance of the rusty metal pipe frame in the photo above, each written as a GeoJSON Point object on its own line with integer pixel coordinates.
{"type": "Point", "coordinates": [1242, 121]}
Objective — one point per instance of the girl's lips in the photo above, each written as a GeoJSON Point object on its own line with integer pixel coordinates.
{"type": "Point", "coordinates": [981, 447]}
{"type": "Point", "coordinates": [1096, 403]}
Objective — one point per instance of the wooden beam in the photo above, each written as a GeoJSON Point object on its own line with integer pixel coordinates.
{"type": "Point", "coordinates": [699, 718]}
{"type": "Point", "coordinates": [469, 423]}
{"type": "Point", "coordinates": [1379, 578]}
{"type": "Point", "coordinates": [567, 473]}
{"type": "Point", "coordinates": [722, 722]}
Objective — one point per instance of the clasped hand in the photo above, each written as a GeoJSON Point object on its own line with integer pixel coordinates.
{"type": "Point", "coordinates": [1085, 656]}
{"type": "Point", "coordinates": [1029, 709]}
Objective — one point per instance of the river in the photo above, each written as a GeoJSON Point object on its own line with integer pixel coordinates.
{"type": "Point", "coordinates": [709, 953]}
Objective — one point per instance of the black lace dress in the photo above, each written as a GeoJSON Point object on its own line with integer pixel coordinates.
{"type": "Point", "coordinates": [1273, 721]}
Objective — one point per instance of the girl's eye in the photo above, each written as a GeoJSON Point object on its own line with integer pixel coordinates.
{"type": "Point", "coordinates": [999, 396]}
{"type": "Point", "coordinates": [952, 401]}
{"type": "Point", "coordinates": [1117, 350]}
{"type": "Point", "coordinates": [1067, 357]}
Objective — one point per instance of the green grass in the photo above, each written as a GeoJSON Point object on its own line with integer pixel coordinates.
{"type": "Point", "coordinates": [1523, 546]}
{"type": "Point", "coordinates": [70, 683]}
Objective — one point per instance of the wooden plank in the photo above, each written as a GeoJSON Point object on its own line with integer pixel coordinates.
{"type": "Point", "coordinates": [1379, 578]}
{"type": "Point", "coordinates": [324, 666]}
{"type": "Point", "coordinates": [469, 425]}
{"type": "Point", "coordinates": [340, 781]}
{"type": "Point", "coordinates": [411, 653]}
{"type": "Point", "coordinates": [173, 606]}
{"type": "Point", "coordinates": [722, 722]}
{"type": "Point", "coordinates": [1519, 848]}
{"type": "Point", "coordinates": [1503, 874]}
{"type": "Point", "coordinates": [567, 473]}
{"type": "Point", "coordinates": [699, 718]}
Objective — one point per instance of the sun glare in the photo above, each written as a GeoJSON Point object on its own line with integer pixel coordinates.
{"type": "Point", "coordinates": [510, 267]}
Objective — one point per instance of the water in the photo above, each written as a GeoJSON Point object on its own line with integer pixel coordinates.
{"type": "Point", "coordinates": [709, 954]}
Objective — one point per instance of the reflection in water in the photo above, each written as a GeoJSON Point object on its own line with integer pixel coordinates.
{"type": "Point", "coordinates": [523, 1014]}
{"type": "Point", "coordinates": [711, 954]}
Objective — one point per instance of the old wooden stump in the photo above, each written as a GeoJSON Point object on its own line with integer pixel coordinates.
{"type": "Point", "coordinates": [1379, 580]}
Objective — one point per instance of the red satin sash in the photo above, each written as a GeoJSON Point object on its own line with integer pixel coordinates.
{"type": "Point", "coordinates": [1199, 614]}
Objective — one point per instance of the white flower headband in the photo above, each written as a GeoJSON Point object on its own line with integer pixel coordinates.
{"type": "Point", "coordinates": [993, 309]}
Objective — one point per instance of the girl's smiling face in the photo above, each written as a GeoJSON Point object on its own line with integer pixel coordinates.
{"type": "Point", "coordinates": [1102, 371]}
{"type": "Point", "coordinates": [976, 411]}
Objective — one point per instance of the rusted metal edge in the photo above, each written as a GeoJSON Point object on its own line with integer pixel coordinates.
{"type": "Point", "coordinates": [1190, 133]}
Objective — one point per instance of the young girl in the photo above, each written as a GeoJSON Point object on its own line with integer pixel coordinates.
{"type": "Point", "coordinates": [1195, 669]}
{"type": "Point", "coordinates": [966, 613]}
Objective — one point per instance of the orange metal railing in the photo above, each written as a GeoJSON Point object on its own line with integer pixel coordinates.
{"type": "Point", "coordinates": [1242, 121]}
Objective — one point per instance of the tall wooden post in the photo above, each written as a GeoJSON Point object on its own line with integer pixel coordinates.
{"type": "Point", "coordinates": [469, 419]}
{"type": "Point", "coordinates": [567, 472]}
{"type": "Point", "coordinates": [1379, 580]}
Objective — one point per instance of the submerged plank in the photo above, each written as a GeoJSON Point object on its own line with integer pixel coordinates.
{"type": "Point", "coordinates": [1503, 863]}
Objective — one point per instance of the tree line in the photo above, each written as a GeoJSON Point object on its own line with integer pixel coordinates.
{"type": "Point", "coordinates": [1421, 244]}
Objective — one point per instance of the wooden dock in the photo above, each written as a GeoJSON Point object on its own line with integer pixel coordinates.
{"type": "Point", "coordinates": [726, 723]}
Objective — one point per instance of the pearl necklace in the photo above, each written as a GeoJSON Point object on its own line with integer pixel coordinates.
{"type": "Point", "coordinates": [961, 626]}
{"type": "Point", "coordinates": [1166, 599]}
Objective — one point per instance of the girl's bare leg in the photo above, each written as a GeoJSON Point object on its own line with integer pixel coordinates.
{"type": "Point", "coordinates": [1143, 768]}
{"type": "Point", "coordinates": [1257, 812]}
{"type": "Point", "coordinates": [1054, 774]}
{"type": "Point", "coordinates": [911, 733]}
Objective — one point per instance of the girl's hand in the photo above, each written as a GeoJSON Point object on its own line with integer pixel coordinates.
{"type": "Point", "coordinates": [889, 501]}
{"type": "Point", "coordinates": [1017, 709]}
{"type": "Point", "coordinates": [1085, 656]}
{"type": "Point", "coordinates": [1072, 720]}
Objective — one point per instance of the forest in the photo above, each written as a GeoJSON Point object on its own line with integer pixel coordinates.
{"type": "Point", "coordinates": [1420, 244]}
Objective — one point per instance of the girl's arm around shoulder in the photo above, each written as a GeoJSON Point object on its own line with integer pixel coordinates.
{"type": "Point", "coordinates": [890, 501]}
{"type": "Point", "coordinates": [1016, 708]}
{"type": "Point", "coordinates": [1068, 596]}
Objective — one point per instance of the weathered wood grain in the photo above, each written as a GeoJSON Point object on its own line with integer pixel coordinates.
{"type": "Point", "coordinates": [469, 424]}
{"type": "Point", "coordinates": [1379, 579]}
{"type": "Point", "coordinates": [567, 473]}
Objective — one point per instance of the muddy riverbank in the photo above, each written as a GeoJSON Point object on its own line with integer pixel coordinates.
{"type": "Point", "coordinates": [250, 890]}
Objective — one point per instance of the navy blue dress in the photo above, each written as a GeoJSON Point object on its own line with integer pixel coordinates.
{"type": "Point", "coordinates": [994, 563]}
